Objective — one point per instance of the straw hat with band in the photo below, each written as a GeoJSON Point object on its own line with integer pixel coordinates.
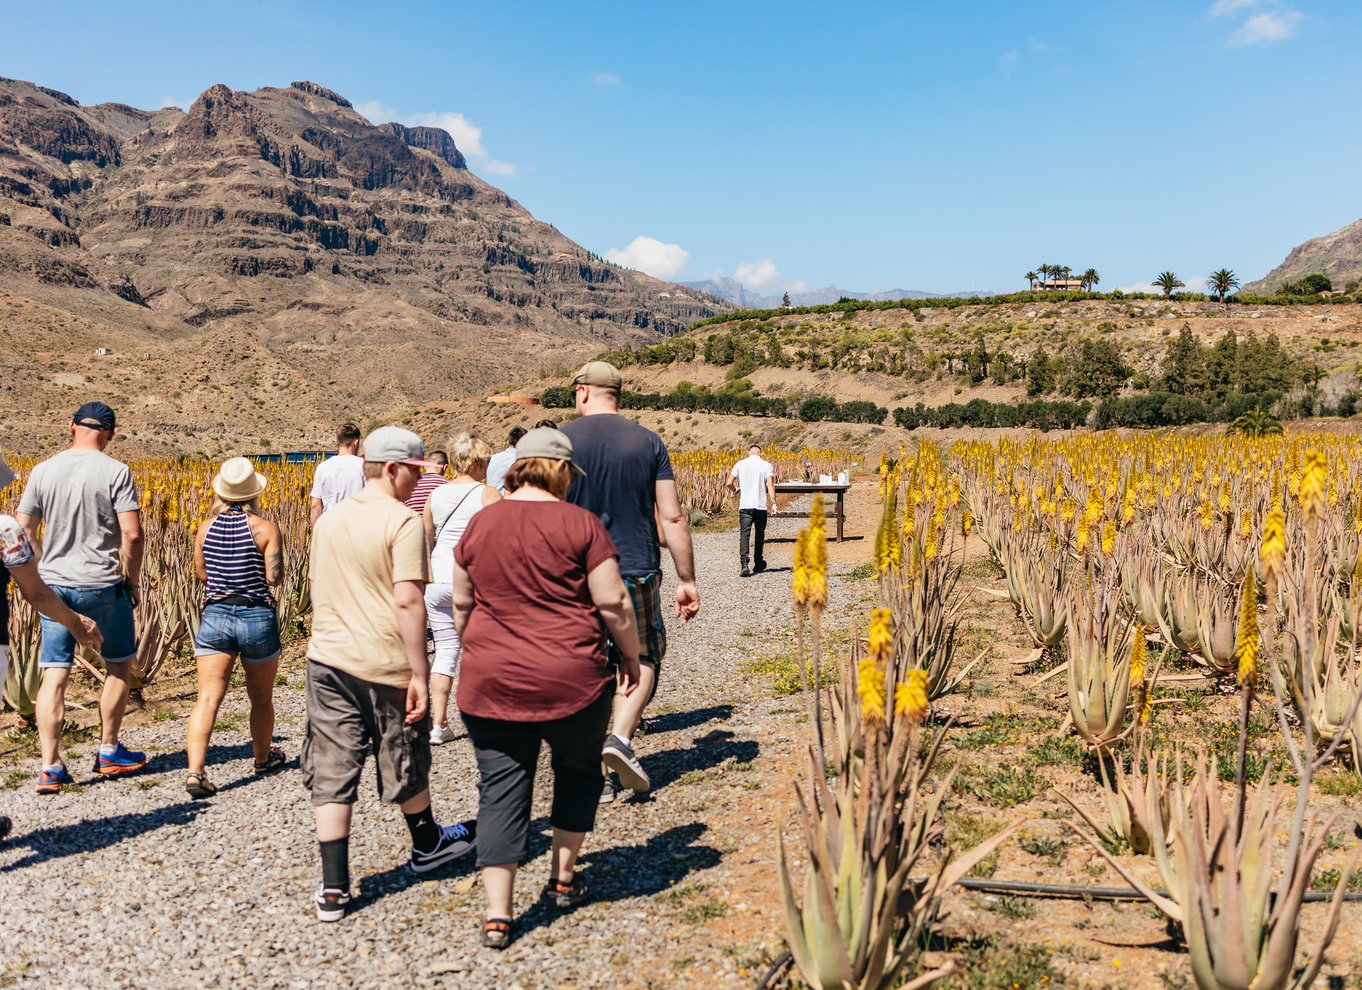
{"type": "Point", "coordinates": [238, 481]}
{"type": "Point", "coordinates": [545, 442]}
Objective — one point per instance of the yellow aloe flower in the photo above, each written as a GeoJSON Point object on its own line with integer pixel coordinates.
{"type": "Point", "coordinates": [910, 697]}
{"type": "Point", "coordinates": [799, 583]}
{"type": "Point", "coordinates": [881, 639]}
{"type": "Point", "coordinates": [1272, 555]}
{"type": "Point", "coordinates": [1312, 486]}
{"type": "Point", "coordinates": [870, 684]}
{"type": "Point", "coordinates": [1246, 643]}
{"type": "Point", "coordinates": [1138, 654]}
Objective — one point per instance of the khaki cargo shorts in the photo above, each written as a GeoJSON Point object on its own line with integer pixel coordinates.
{"type": "Point", "coordinates": [346, 717]}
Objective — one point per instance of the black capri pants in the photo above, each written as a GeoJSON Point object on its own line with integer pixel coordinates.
{"type": "Point", "coordinates": [508, 754]}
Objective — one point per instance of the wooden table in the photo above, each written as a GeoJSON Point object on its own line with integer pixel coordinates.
{"type": "Point", "coordinates": [808, 488]}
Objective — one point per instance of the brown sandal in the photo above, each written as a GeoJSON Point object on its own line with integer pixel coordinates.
{"type": "Point", "coordinates": [199, 786]}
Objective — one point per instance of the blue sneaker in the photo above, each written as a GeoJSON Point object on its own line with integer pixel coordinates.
{"type": "Point", "coordinates": [50, 781]}
{"type": "Point", "coordinates": [120, 761]}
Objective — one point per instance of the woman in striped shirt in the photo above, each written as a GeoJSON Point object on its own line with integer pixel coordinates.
{"type": "Point", "coordinates": [240, 558]}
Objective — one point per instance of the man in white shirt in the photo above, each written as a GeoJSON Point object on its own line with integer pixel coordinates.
{"type": "Point", "coordinates": [502, 460]}
{"type": "Point", "coordinates": [339, 477]}
{"type": "Point", "coordinates": [754, 480]}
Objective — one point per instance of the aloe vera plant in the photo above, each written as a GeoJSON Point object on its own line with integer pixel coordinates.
{"type": "Point", "coordinates": [867, 830]}
{"type": "Point", "coordinates": [1099, 668]}
{"type": "Point", "coordinates": [1138, 802]}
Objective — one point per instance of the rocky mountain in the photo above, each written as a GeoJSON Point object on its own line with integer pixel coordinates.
{"type": "Point", "coordinates": [1337, 255]}
{"type": "Point", "coordinates": [733, 291]}
{"type": "Point", "coordinates": [274, 252]}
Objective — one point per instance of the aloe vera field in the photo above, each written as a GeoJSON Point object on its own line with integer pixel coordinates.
{"type": "Point", "coordinates": [1122, 669]}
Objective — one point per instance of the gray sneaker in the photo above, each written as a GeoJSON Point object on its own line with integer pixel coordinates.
{"type": "Point", "coordinates": [619, 756]}
{"type": "Point", "coordinates": [611, 789]}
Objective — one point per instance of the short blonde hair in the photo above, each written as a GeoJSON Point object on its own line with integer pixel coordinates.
{"type": "Point", "coordinates": [546, 473]}
{"type": "Point", "coordinates": [465, 452]}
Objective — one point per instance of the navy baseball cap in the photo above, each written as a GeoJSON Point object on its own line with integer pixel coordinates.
{"type": "Point", "coordinates": [95, 415]}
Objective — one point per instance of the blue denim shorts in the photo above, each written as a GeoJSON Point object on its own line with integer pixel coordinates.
{"type": "Point", "coordinates": [248, 631]}
{"type": "Point", "coordinates": [111, 609]}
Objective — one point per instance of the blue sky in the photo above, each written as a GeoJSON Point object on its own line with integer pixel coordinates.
{"type": "Point", "coordinates": [918, 145]}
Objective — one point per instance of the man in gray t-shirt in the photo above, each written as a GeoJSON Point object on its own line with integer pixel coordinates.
{"type": "Point", "coordinates": [91, 556]}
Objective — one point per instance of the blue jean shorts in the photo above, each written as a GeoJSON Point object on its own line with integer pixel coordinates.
{"type": "Point", "coordinates": [111, 609]}
{"type": "Point", "coordinates": [248, 631]}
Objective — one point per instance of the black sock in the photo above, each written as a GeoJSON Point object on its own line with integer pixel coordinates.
{"type": "Point", "coordinates": [425, 834]}
{"type": "Point", "coordinates": [336, 864]}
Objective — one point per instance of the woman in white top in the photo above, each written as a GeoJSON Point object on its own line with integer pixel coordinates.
{"type": "Point", "coordinates": [446, 517]}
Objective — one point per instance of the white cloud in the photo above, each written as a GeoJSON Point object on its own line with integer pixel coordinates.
{"type": "Point", "coordinates": [1267, 26]}
{"type": "Point", "coordinates": [1008, 59]}
{"type": "Point", "coordinates": [650, 255]}
{"type": "Point", "coordinates": [466, 134]}
{"type": "Point", "coordinates": [604, 79]}
{"type": "Point", "coordinates": [758, 275]}
{"type": "Point", "coordinates": [1223, 8]}
{"type": "Point", "coordinates": [763, 276]}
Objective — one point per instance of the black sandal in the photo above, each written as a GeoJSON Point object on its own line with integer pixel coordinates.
{"type": "Point", "coordinates": [497, 932]}
{"type": "Point", "coordinates": [199, 786]}
{"type": "Point", "coordinates": [275, 760]}
{"type": "Point", "coordinates": [566, 895]}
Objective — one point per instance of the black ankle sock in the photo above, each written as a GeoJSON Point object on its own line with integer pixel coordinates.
{"type": "Point", "coordinates": [336, 864]}
{"type": "Point", "coordinates": [425, 834]}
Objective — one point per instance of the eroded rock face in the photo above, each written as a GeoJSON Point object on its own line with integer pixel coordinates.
{"type": "Point", "coordinates": [234, 213]}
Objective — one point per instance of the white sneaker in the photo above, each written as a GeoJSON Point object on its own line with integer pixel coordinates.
{"type": "Point", "coordinates": [441, 734]}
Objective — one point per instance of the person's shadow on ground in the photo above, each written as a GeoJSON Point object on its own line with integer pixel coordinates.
{"type": "Point", "coordinates": [676, 721]}
{"type": "Point", "coordinates": [59, 841]}
{"type": "Point", "coordinates": [642, 870]}
{"type": "Point", "coordinates": [709, 750]}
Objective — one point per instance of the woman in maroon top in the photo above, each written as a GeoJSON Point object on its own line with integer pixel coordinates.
{"type": "Point", "coordinates": [534, 577]}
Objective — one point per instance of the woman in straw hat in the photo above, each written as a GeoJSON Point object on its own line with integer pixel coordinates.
{"type": "Point", "coordinates": [534, 578]}
{"type": "Point", "coordinates": [240, 558]}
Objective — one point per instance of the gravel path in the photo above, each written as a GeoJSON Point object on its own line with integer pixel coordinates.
{"type": "Point", "coordinates": [126, 883]}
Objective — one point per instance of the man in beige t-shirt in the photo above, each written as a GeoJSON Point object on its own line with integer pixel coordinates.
{"type": "Point", "coordinates": [367, 672]}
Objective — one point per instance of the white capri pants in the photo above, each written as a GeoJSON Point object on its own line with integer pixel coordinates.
{"type": "Point", "coordinates": [440, 616]}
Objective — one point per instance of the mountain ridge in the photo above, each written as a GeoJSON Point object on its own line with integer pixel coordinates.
{"type": "Point", "coordinates": [365, 263]}
{"type": "Point", "coordinates": [1337, 254]}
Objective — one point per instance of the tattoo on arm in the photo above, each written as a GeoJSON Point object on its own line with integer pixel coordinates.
{"type": "Point", "coordinates": [275, 567]}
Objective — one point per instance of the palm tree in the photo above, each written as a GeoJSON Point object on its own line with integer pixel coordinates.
{"type": "Point", "coordinates": [1064, 270]}
{"type": "Point", "coordinates": [1045, 271]}
{"type": "Point", "coordinates": [1089, 279]}
{"type": "Point", "coordinates": [1222, 283]}
{"type": "Point", "coordinates": [1256, 423]}
{"type": "Point", "coordinates": [1031, 277]}
{"type": "Point", "coordinates": [1167, 281]}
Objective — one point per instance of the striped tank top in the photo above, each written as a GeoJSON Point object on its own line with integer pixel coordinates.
{"type": "Point", "coordinates": [236, 566]}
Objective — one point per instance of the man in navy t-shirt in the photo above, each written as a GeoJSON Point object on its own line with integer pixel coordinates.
{"type": "Point", "coordinates": [630, 486]}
